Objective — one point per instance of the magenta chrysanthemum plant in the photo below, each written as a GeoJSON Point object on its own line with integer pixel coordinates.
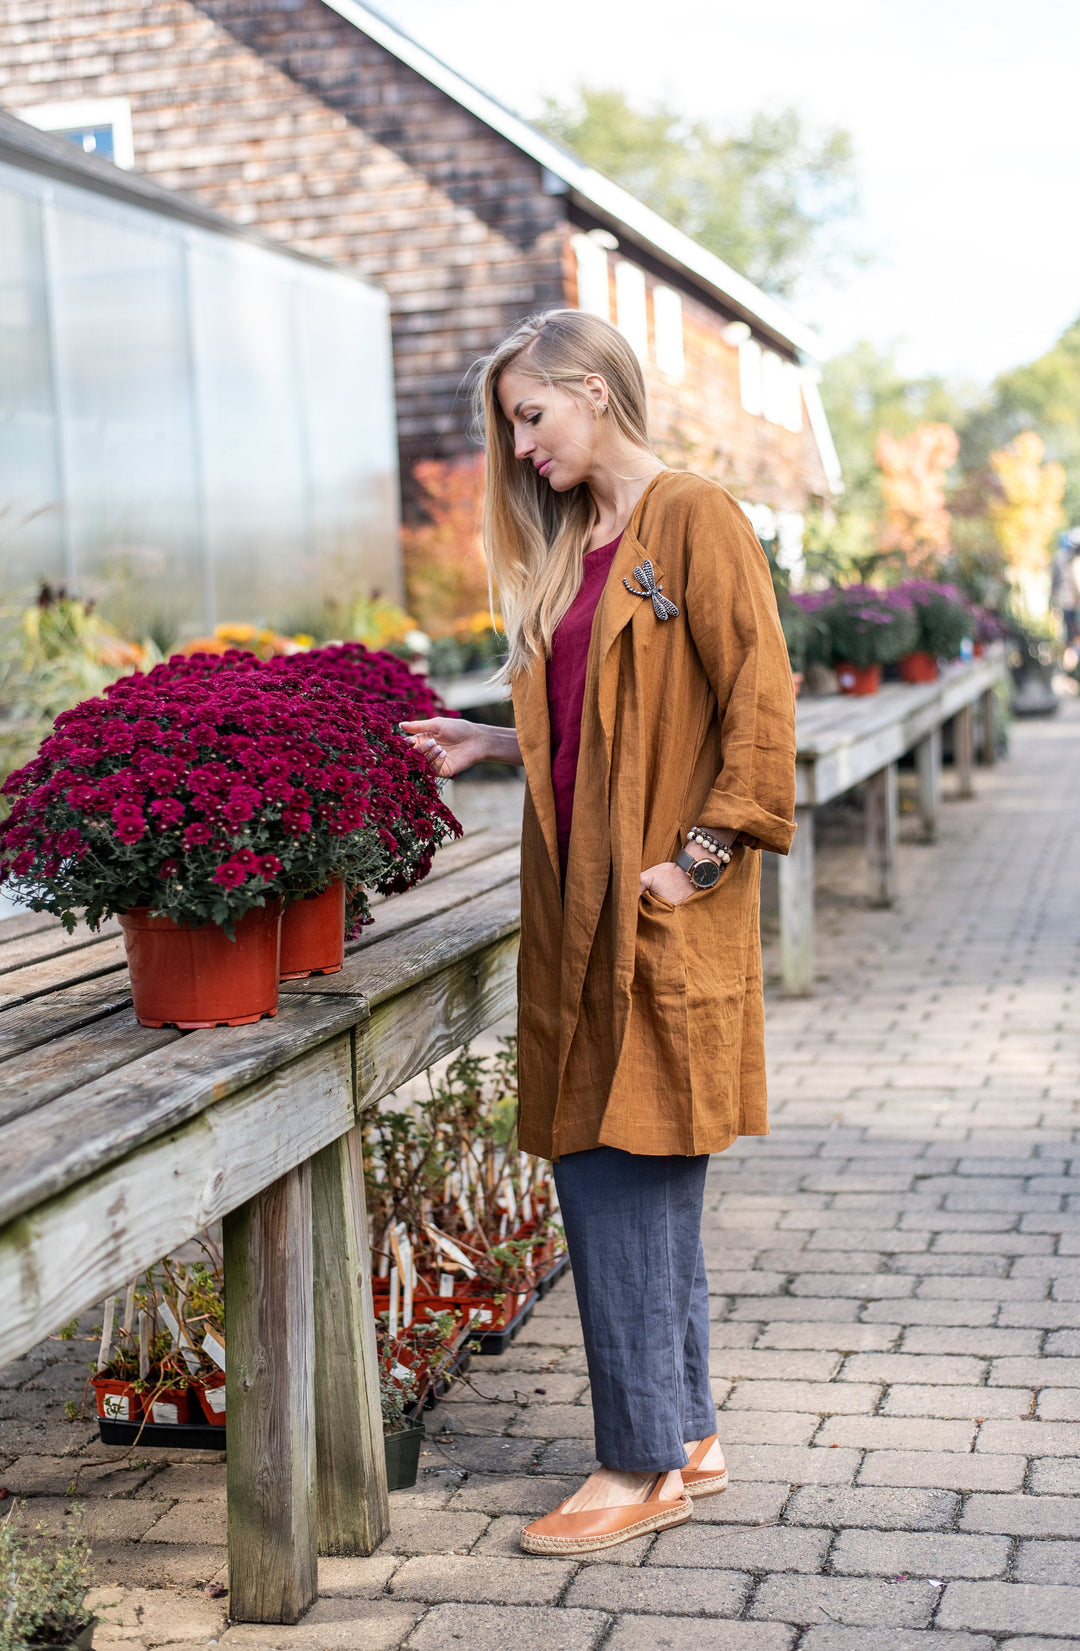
{"type": "Point", "coordinates": [201, 793]}
{"type": "Point", "coordinates": [861, 625]}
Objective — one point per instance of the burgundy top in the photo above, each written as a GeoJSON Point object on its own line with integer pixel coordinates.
{"type": "Point", "coordinates": [566, 686]}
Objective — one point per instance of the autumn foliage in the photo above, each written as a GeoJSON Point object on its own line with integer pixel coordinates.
{"type": "Point", "coordinates": [445, 567]}
{"type": "Point", "coordinates": [1028, 510]}
{"type": "Point", "coordinates": [913, 468]}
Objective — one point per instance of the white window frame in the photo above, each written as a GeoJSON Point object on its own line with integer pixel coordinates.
{"type": "Point", "coordinates": [668, 331]}
{"type": "Point", "coordinates": [772, 387]}
{"type": "Point", "coordinates": [631, 307]}
{"type": "Point", "coordinates": [89, 111]}
{"type": "Point", "coordinates": [750, 377]}
{"type": "Point", "coordinates": [594, 293]}
{"type": "Point", "coordinates": [793, 413]}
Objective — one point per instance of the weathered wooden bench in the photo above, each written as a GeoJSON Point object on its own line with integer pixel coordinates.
{"type": "Point", "coordinates": [843, 741]}
{"type": "Point", "coordinates": [118, 1143]}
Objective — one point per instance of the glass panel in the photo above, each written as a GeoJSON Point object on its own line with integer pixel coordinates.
{"type": "Point", "coordinates": [31, 542]}
{"type": "Point", "coordinates": [124, 376]}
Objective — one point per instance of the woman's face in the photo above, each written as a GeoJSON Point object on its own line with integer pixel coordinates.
{"type": "Point", "coordinates": [557, 432]}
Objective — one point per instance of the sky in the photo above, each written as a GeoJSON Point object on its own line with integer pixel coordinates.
{"type": "Point", "coordinates": [964, 115]}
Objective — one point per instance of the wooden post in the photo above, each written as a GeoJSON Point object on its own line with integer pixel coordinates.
{"type": "Point", "coordinates": [964, 747]}
{"type": "Point", "coordinates": [881, 815]}
{"type": "Point", "coordinates": [269, 1403]}
{"type": "Point", "coordinates": [928, 763]}
{"type": "Point", "coordinates": [354, 1513]}
{"type": "Point", "coordinates": [797, 909]}
{"type": "Point", "coordinates": [988, 728]}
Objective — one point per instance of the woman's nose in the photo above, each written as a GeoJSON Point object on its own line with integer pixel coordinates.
{"type": "Point", "coordinates": [524, 444]}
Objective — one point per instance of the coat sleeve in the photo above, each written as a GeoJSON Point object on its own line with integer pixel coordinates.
{"type": "Point", "coordinates": [732, 617]}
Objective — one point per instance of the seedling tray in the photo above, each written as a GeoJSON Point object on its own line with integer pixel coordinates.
{"type": "Point", "coordinates": [166, 1435]}
{"type": "Point", "coordinates": [490, 1342]}
{"type": "Point", "coordinates": [543, 1285]}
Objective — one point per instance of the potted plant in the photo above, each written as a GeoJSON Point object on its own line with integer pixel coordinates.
{"type": "Point", "coordinates": [191, 802]}
{"type": "Point", "coordinates": [943, 622]}
{"type": "Point", "coordinates": [403, 1434]}
{"type": "Point", "coordinates": [865, 629]}
{"type": "Point", "coordinates": [45, 1584]}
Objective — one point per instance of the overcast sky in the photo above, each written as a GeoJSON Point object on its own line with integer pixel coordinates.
{"type": "Point", "coordinates": [965, 115]}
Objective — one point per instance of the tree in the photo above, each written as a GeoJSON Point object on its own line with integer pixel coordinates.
{"type": "Point", "coordinates": [445, 566]}
{"type": "Point", "coordinates": [913, 469]}
{"type": "Point", "coordinates": [762, 196]}
{"type": "Point", "coordinates": [1026, 513]}
{"type": "Point", "coordinates": [1043, 395]}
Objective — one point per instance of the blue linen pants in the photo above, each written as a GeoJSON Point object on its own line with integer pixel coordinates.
{"type": "Point", "coordinates": [633, 1229]}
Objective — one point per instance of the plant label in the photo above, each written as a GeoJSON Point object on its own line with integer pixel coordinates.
{"type": "Point", "coordinates": [214, 1348]}
{"type": "Point", "coordinates": [446, 1284]}
{"type": "Point", "coordinates": [117, 1407]}
{"type": "Point", "coordinates": [165, 1412]}
{"type": "Point", "coordinates": [215, 1398]}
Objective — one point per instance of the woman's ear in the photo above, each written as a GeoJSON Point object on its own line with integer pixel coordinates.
{"type": "Point", "coordinates": [596, 389]}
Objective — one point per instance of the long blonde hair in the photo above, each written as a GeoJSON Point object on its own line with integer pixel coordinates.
{"type": "Point", "coordinates": [534, 537]}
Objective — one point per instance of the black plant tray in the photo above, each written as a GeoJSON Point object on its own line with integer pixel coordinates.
{"type": "Point", "coordinates": [166, 1435]}
{"type": "Point", "coordinates": [497, 1341]}
{"type": "Point", "coordinates": [543, 1285]}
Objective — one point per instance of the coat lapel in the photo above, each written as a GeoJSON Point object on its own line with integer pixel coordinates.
{"type": "Point", "coordinates": [534, 738]}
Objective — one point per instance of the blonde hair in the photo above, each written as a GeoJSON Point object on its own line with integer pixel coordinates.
{"type": "Point", "coordinates": [534, 537]}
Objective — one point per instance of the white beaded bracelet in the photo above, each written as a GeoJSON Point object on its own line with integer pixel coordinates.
{"type": "Point", "coordinates": [697, 835]}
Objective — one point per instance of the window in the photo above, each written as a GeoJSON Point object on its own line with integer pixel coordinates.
{"type": "Point", "coordinates": [100, 126]}
{"type": "Point", "coordinates": [668, 331]}
{"type": "Point", "coordinates": [772, 387]}
{"type": "Point", "coordinates": [792, 397]}
{"type": "Point", "coordinates": [750, 375]}
{"type": "Point", "coordinates": [592, 276]}
{"type": "Point", "coordinates": [630, 307]}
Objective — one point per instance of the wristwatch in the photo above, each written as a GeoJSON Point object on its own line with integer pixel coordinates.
{"type": "Point", "coordinates": [704, 874]}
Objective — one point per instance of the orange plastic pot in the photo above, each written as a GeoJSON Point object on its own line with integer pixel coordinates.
{"type": "Point", "coordinates": [858, 679]}
{"type": "Point", "coordinates": [198, 977]}
{"type": "Point", "coordinates": [918, 667]}
{"type": "Point", "coordinates": [170, 1407]}
{"type": "Point", "coordinates": [117, 1400]}
{"type": "Point", "coordinates": [210, 1392]}
{"type": "Point", "coordinates": [313, 934]}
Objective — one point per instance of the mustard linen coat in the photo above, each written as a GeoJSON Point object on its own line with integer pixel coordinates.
{"type": "Point", "coordinates": [641, 1024]}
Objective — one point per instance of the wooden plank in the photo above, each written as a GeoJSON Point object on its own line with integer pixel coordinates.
{"type": "Point", "coordinates": [53, 941]}
{"type": "Point", "coordinates": [964, 751]}
{"type": "Point", "coordinates": [29, 1025]}
{"type": "Point", "coordinates": [928, 768]}
{"type": "Point", "coordinates": [796, 873]}
{"type": "Point", "coordinates": [269, 1385]}
{"type": "Point", "coordinates": [75, 1249]}
{"type": "Point", "coordinates": [418, 905]}
{"type": "Point", "coordinates": [35, 980]}
{"type": "Point", "coordinates": [881, 826]}
{"type": "Point", "coordinates": [353, 1509]}
{"type": "Point", "coordinates": [456, 935]}
{"type": "Point", "coordinates": [48, 1072]}
{"type": "Point", "coordinates": [29, 922]}
{"type": "Point", "coordinates": [101, 1122]}
{"type": "Point", "coordinates": [408, 1032]}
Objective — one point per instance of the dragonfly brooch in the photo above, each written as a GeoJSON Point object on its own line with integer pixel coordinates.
{"type": "Point", "coordinates": [645, 576]}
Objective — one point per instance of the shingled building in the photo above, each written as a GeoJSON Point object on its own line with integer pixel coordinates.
{"type": "Point", "coordinates": [325, 127]}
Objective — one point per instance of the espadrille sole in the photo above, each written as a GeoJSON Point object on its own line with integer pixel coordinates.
{"type": "Point", "coordinates": [591, 1544]}
{"type": "Point", "coordinates": [707, 1487]}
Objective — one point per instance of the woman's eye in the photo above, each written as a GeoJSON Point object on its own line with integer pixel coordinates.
{"type": "Point", "coordinates": [534, 418]}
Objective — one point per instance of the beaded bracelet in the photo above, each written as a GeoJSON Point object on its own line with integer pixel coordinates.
{"type": "Point", "coordinates": [697, 835]}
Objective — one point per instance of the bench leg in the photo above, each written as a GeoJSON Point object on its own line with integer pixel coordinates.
{"type": "Point", "coordinates": [988, 728]}
{"type": "Point", "coordinates": [269, 1403]}
{"type": "Point", "coordinates": [881, 816]}
{"type": "Point", "coordinates": [928, 765]}
{"type": "Point", "coordinates": [354, 1513]}
{"type": "Point", "coordinates": [964, 741]}
{"type": "Point", "coordinates": [797, 908]}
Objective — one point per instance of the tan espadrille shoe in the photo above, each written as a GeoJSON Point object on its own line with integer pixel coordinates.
{"type": "Point", "coordinates": [584, 1533]}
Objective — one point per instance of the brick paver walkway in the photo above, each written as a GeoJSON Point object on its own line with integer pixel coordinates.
{"type": "Point", "coordinates": [896, 1290]}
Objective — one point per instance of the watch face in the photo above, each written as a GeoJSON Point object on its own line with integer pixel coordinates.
{"type": "Point", "coordinates": [705, 875]}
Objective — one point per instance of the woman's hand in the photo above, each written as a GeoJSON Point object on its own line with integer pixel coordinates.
{"type": "Point", "coordinates": [667, 880]}
{"type": "Point", "coordinates": [451, 744]}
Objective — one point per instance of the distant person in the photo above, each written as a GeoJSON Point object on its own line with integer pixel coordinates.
{"type": "Point", "coordinates": [1066, 584]}
{"type": "Point", "coordinates": [655, 722]}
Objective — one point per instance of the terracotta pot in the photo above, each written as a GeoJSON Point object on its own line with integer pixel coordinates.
{"type": "Point", "coordinates": [117, 1400]}
{"type": "Point", "coordinates": [313, 934]}
{"type": "Point", "coordinates": [978, 649]}
{"type": "Point", "coordinates": [797, 679]}
{"type": "Point", "coordinates": [858, 679]}
{"type": "Point", "coordinates": [210, 1392]}
{"type": "Point", "coordinates": [918, 667]}
{"type": "Point", "coordinates": [198, 977]}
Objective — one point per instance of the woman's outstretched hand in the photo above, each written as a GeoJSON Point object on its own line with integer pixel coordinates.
{"type": "Point", "coordinates": [450, 744]}
{"type": "Point", "coordinates": [667, 880]}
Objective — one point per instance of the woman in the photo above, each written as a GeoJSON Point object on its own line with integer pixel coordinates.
{"type": "Point", "coordinates": [655, 722]}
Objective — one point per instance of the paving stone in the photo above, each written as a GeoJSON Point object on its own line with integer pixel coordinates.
{"type": "Point", "coordinates": [61, 1476]}
{"type": "Point", "coordinates": [886, 1509]}
{"type": "Point", "coordinates": [439, 1578]}
{"type": "Point", "coordinates": [913, 1368]}
{"type": "Point", "coordinates": [365, 1625]}
{"type": "Point", "coordinates": [156, 1615]}
{"type": "Point", "coordinates": [500, 1627]}
{"type": "Point", "coordinates": [1054, 1477]}
{"type": "Point", "coordinates": [204, 1483]}
{"type": "Point", "coordinates": [434, 1486]}
{"type": "Point", "coordinates": [765, 1365]}
{"type": "Point", "coordinates": [659, 1590]}
{"type": "Point", "coordinates": [799, 1466]}
{"type": "Point", "coordinates": [841, 1338]}
{"type": "Point", "coordinates": [895, 1639]}
{"type": "Point", "coordinates": [548, 1421]}
{"type": "Point", "coordinates": [766, 1427]}
{"type": "Point", "coordinates": [1022, 1515]}
{"type": "Point", "coordinates": [940, 1469]}
{"type": "Point", "coordinates": [159, 1565]}
{"type": "Point", "coordinates": [517, 1387]}
{"type": "Point", "coordinates": [472, 1455]}
{"type": "Point", "coordinates": [728, 1548]}
{"type": "Point", "coordinates": [1030, 1438]}
{"type": "Point", "coordinates": [1010, 1607]}
{"type": "Point", "coordinates": [691, 1634]}
{"type": "Point", "coordinates": [1048, 1562]}
{"type": "Point", "coordinates": [742, 1504]}
{"type": "Point", "coordinates": [567, 1456]}
{"type": "Point", "coordinates": [824, 1398]}
{"type": "Point", "coordinates": [1044, 1372]}
{"type": "Point", "coordinates": [844, 1600]}
{"type": "Point", "coordinates": [347, 1578]}
{"type": "Point", "coordinates": [186, 1522]}
{"type": "Point", "coordinates": [829, 1309]}
{"type": "Point", "coordinates": [503, 1537]}
{"type": "Point", "coordinates": [522, 1493]}
{"type": "Point", "coordinates": [485, 1419]}
{"type": "Point", "coordinates": [942, 1554]}
{"type": "Point", "coordinates": [102, 1520]}
{"type": "Point", "coordinates": [431, 1531]}
{"type": "Point", "coordinates": [896, 1433]}
{"type": "Point", "coordinates": [988, 1344]}
{"type": "Point", "coordinates": [967, 1402]}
